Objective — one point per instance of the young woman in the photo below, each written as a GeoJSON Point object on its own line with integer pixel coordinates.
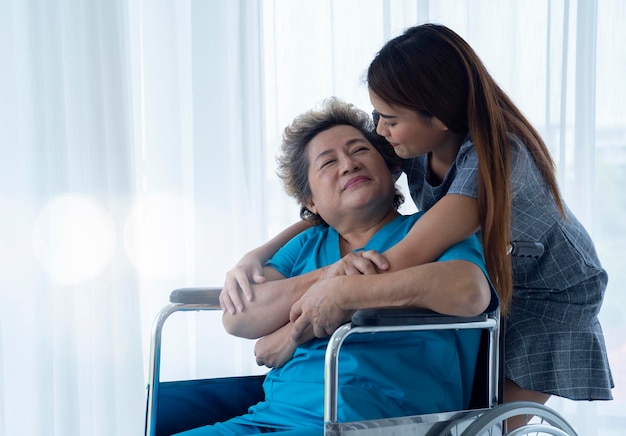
{"type": "Point", "coordinates": [475, 163]}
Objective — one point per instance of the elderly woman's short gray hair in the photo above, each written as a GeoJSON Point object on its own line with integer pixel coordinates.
{"type": "Point", "coordinates": [293, 164]}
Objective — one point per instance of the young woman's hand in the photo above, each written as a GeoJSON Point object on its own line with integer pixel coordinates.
{"type": "Point", "coordinates": [237, 283]}
{"type": "Point", "coordinates": [250, 269]}
{"type": "Point", "coordinates": [359, 262]}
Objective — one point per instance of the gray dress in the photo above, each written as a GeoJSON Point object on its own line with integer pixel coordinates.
{"type": "Point", "coordinates": [553, 339]}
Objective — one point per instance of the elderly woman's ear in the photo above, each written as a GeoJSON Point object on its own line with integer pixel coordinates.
{"type": "Point", "coordinates": [310, 205]}
{"type": "Point", "coordinates": [310, 215]}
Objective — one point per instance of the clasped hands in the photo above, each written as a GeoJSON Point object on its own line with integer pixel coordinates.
{"type": "Point", "coordinates": [318, 312]}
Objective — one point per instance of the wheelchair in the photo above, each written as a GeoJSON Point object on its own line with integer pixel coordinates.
{"type": "Point", "coordinates": [175, 406]}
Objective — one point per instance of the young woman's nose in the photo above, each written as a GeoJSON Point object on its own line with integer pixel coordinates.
{"type": "Point", "coordinates": [381, 129]}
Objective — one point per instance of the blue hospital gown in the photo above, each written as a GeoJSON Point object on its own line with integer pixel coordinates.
{"type": "Point", "coordinates": [415, 373]}
{"type": "Point", "coordinates": [553, 339]}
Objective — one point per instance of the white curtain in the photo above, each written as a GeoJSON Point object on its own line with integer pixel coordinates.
{"type": "Point", "coordinates": [137, 147]}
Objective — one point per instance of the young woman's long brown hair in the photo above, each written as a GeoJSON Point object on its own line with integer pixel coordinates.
{"type": "Point", "coordinates": [430, 67]}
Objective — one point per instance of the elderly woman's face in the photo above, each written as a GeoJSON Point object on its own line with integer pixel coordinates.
{"type": "Point", "coordinates": [346, 173]}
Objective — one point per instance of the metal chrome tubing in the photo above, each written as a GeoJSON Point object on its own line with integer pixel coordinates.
{"type": "Point", "coordinates": [155, 358]}
{"type": "Point", "coordinates": [331, 369]}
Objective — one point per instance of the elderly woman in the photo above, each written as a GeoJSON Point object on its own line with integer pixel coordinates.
{"type": "Point", "coordinates": [342, 174]}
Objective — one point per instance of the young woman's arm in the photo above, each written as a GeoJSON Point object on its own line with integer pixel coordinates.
{"type": "Point", "coordinates": [362, 262]}
{"type": "Point", "coordinates": [451, 220]}
{"type": "Point", "coordinates": [267, 315]}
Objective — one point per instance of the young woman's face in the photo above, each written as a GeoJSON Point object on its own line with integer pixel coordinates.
{"type": "Point", "coordinates": [410, 133]}
{"type": "Point", "coordinates": [347, 174]}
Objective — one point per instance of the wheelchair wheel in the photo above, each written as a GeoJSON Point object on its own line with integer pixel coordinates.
{"type": "Point", "coordinates": [540, 420]}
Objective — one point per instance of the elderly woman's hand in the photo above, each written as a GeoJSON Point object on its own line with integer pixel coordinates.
{"type": "Point", "coordinates": [276, 349]}
{"type": "Point", "coordinates": [359, 262]}
{"type": "Point", "coordinates": [319, 309]}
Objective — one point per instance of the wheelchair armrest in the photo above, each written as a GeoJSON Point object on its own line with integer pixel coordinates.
{"type": "Point", "coordinates": [196, 296]}
{"type": "Point", "coordinates": [407, 316]}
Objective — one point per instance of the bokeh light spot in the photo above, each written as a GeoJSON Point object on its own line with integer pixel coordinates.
{"type": "Point", "coordinates": [73, 238]}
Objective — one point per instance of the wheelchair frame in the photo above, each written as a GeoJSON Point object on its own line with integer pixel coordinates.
{"type": "Point", "coordinates": [398, 320]}
{"type": "Point", "coordinates": [487, 419]}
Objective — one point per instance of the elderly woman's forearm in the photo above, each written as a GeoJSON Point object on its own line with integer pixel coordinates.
{"type": "Point", "coordinates": [269, 310]}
